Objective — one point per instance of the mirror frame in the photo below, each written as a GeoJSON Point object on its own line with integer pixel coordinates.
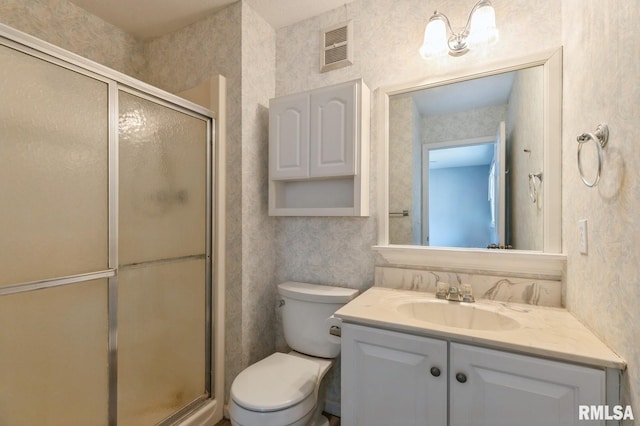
{"type": "Point", "coordinates": [550, 261]}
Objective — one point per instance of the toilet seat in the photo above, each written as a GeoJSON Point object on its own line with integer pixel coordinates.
{"type": "Point", "coordinates": [281, 387]}
{"type": "Point", "coordinates": [275, 383]}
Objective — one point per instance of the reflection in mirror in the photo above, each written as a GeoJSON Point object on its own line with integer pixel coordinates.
{"type": "Point", "coordinates": [460, 157]}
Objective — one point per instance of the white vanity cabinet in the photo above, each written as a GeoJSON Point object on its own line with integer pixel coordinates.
{"type": "Point", "coordinates": [390, 378]}
{"type": "Point", "coordinates": [387, 380]}
{"type": "Point", "coordinates": [319, 152]}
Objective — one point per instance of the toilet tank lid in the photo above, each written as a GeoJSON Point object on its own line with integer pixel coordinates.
{"type": "Point", "coordinates": [316, 293]}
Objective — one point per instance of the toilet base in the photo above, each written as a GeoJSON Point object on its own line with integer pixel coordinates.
{"type": "Point", "coordinates": [322, 421]}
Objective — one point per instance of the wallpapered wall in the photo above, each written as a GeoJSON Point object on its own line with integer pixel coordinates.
{"type": "Point", "coordinates": [64, 24]}
{"type": "Point", "coordinates": [525, 133]}
{"type": "Point", "coordinates": [601, 68]}
{"type": "Point", "coordinates": [401, 129]}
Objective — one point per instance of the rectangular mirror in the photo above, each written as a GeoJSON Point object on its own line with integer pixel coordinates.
{"type": "Point", "coordinates": [476, 144]}
{"type": "Point", "coordinates": [472, 160]}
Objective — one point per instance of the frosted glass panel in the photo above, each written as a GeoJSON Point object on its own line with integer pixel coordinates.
{"type": "Point", "coordinates": [161, 353]}
{"type": "Point", "coordinates": [53, 356]}
{"type": "Point", "coordinates": [53, 170]}
{"type": "Point", "coordinates": [162, 182]}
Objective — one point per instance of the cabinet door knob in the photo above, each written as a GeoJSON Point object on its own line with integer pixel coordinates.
{"type": "Point", "coordinates": [461, 377]}
{"type": "Point", "coordinates": [435, 371]}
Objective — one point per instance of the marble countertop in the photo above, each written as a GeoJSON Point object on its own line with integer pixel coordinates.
{"type": "Point", "coordinates": [543, 331]}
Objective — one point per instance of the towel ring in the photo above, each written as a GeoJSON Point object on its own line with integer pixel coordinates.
{"type": "Point", "coordinates": [600, 137]}
{"type": "Point", "coordinates": [533, 190]}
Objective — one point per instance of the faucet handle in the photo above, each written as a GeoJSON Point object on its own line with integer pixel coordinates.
{"type": "Point", "coordinates": [467, 295]}
{"type": "Point", "coordinates": [441, 290]}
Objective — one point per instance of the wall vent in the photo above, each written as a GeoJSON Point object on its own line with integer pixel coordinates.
{"type": "Point", "coordinates": [336, 50]}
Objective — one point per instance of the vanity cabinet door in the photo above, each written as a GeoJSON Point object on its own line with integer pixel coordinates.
{"type": "Point", "coordinates": [493, 388]}
{"type": "Point", "coordinates": [289, 137]}
{"type": "Point", "coordinates": [391, 378]}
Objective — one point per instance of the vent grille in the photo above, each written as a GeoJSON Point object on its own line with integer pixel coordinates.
{"type": "Point", "coordinates": [335, 54]}
{"type": "Point", "coordinates": [336, 51]}
{"type": "Point", "coordinates": [337, 36]}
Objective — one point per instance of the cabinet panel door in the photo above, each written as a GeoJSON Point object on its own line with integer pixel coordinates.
{"type": "Point", "coordinates": [333, 131]}
{"type": "Point", "coordinates": [289, 137]}
{"type": "Point", "coordinates": [508, 389]}
{"type": "Point", "coordinates": [386, 378]}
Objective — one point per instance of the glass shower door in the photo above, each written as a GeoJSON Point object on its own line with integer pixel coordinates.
{"type": "Point", "coordinates": [54, 260]}
{"type": "Point", "coordinates": [163, 265]}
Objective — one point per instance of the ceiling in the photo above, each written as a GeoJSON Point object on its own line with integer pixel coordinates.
{"type": "Point", "coordinates": [465, 95]}
{"type": "Point", "coordinates": [148, 19]}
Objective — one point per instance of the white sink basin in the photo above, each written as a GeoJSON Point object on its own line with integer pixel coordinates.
{"type": "Point", "coordinates": [458, 315]}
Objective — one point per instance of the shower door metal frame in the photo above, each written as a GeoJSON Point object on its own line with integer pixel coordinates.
{"type": "Point", "coordinates": [210, 160]}
{"type": "Point", "coordinates": [116, 81]}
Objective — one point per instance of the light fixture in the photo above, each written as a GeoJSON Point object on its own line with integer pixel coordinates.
{"type": "Point", "coordinates": [439, 35]}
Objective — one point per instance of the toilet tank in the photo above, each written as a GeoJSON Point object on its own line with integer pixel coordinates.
{"type": "Point", "coordinates": [306, 316]}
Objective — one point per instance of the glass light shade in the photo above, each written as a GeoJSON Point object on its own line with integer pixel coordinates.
{"type": "Point", "coordinates": [435, 39]}
{"type": "Point", "coordinates": [483, 26]}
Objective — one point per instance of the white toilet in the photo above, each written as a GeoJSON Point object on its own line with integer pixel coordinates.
{"type": "Point", "coordinates": [285, 389]}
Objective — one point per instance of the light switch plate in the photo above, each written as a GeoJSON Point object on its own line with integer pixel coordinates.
{"type": "Point", "coordinates": [582, 236]}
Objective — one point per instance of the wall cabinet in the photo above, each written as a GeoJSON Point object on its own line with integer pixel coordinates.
{"type": "Point", "coordinates": [319, 152]}
{"type": "Point", "coordinates": [388, 378]}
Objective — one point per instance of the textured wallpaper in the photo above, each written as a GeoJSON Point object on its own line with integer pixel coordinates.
{"type": "Point", "coordinates": [63, 24]}
{"type": "Point", "coordinates": [525, 135]}
{"type": "Point", "coordinates": [401, 129]}
{"type": "Point", "coordinates": [601, 69]}
{"type": "Point", "coordinates": [258, 228]}
{"type": "Point", "coordinates": [463, 125]}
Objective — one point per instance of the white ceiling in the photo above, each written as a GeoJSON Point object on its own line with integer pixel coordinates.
{"type": "Point", "coordinates": [465, 95]}
{"type": "Point", "coordinates": [147, 19]}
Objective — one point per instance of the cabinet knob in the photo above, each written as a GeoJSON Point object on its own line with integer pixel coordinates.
{"type": "Point", "coordinates": [435, 371]}
{"type": "Point", "coordinates": [461, 377]}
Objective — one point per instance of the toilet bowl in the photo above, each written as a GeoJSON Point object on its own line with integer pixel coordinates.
{"type": "Point", "coordinates": [288, 389]}
{"type": "Point", "coordinates": [282, 389]}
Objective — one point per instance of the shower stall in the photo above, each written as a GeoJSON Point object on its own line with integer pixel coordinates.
{"type": "Point", "coordinates": [106, 225]}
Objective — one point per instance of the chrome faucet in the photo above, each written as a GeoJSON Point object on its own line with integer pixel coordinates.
{"type": "Point", "coordinates": [454, 294]}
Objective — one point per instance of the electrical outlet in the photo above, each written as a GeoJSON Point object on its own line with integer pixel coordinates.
{"type": "Point", "coordinates": [582, 235]}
